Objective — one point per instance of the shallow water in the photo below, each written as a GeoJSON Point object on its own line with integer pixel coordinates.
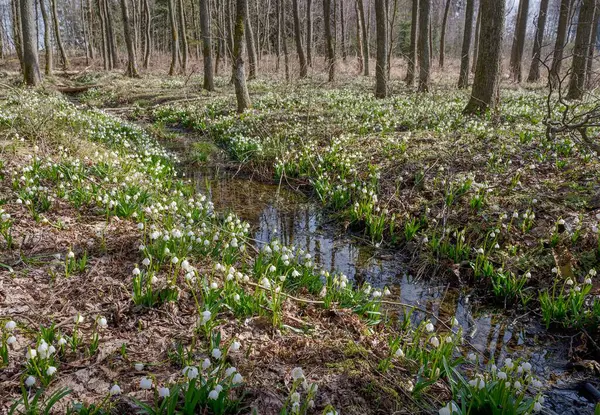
{"type": "Point", "coordinates": [280, 213]}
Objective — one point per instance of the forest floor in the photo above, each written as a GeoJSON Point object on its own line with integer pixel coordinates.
{"type": "Point", "coordinates": [489, 208]}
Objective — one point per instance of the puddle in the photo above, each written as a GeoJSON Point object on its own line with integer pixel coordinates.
{"type": "Point", "coordinates": [280, 213]}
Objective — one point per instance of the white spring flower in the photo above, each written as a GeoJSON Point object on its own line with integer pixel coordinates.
{"type": "Point", "coordinates": [206, 315]}
{"type": "Point", "coordinates": [11, 340]}
{"type": "Point", "coordinates": [386, 291]}
{"type": "Point", "coordinates": [164, 392]}
{"type": "Point", "coordinates": [477, 383]}
{"type": "Point", "coordinates": [569, 282]}
{"type": "Point", "coordinates": [145, 383]}
{"type": "Point", "coordinates": [508, 363]}
{"type": "Point", "coordinates": [429, 327]}
{"type": "Point", "coordinates": [62, 341]}
{"type": "Point", "coordinates": [265, 283]}
{"type": "Point", "coordinates": [102, 323]}
{"type": "Point", "coordinates": [435, 342]}
{"type": "Point", "coordinates": [472, 357]}
{"type": "Point", "coordinates": [146, 262]}
{"type": "Point", "coordinates": [235, 346]}
{"type": "Point", "coordinates": [31, 354]}
{"type": "Point", "coordinates": [297, 373]}
{"type": "Point", "coordinates": [214, 285]}
{"type": "Point", "coordinates": [526, 366]}
{"type": "Point", "coordinates": [206, 364]}
{"type": "Point", "coordinates": [139, 367]}
{"type": "Point", "coordinates": [216, 353]}
{"type": "Point", "coordinates": [30, 381]}
{"type": "Point", "coordinates": [399, 353]}
{"type": "Point", "coordinates": [236, 298]}
{"type": "Point", "coordinates": [230, 371]}
{"type": "Point", "coordinates": [71, 255]}
{"type": "Point", "coordinates": [517, 385]}
{"type": "Point", "coordinates": [50, 371]}
{"type": "Point", "coordinates": [295, 397]}
{"type": "Point", "coordinates": [213, 395]}
{"type": "Point", "coordinates": [272, 268]}
{"type": "Point", "coordinates": [175, 260]}
{"type": "Point", "coordinates": [10, 325]}
{"type": "Point", "coordinates": [190, 372]}
{"type": "Point", "coordinates": [502, 375]}
{"type": "Point", "coordinates": [114, 390]}
{"type": "Point", "coordinates": [136, 271]}
{"type": "Point", "coordinates": [78, 319]}
{"type": "Point", "coordinates": [449, 409]}
{"type": "Point", "coordinates": [237, 379]}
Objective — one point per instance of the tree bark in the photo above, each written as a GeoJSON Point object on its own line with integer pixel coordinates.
{"type": "Point", "coordinates": [424, 52]}
{"type": "Point", "coordinates": [174, 37]}
{"type": "Point", "coordinates": [412, 54]}
{"type": "Point", "coordinates": [63, 54]}
{"type": "Point", "coordinates": [105, 51]}
{"type": "Point", "coordinates": [298, 37]}
{"type": "Point", "coordinates": [147, 34]}
{"type": "Point", "coordinates": [516, 56]}
{"type": "Point", "coordinates": [561, 40]}
{"type": "Point", "coordinates": [486, 84]}
{"type": "Point", "coordinates": [31, 67]}
{"type": "Point", "coordinates": [309, 32]}
{"type": "Point", "coordinates": [443, 35]}
{"type": "Point", "coordinates": [365, 37]}
{"type": "Point", "coordinates": [463, 78]}
{"type": "Point", "coordinates": [359, 46]}
{"type": "Point", "coordinates": [329, 39]}
{"type": "Point", "coordinates": [241, 90]}
{"type": "Point", "coordinates": [581, 49]}
{"type": "Point", "coordinates": [534, 69]}
{"type": "Point", "coordinates": [382, 49]}
{"type": "Point", "coordinates": [278, 30]}
{"type": "Point", "coordinates": [251, 47]}
{"type": "Point", "coordinates": [343, 34]}
{"type": "Point", "coordinates": [590, 58]}
{"type": "Point", "coordinates": [286, 56]}
{"type": "Point", "coordinates": [111, 36]}
{"type": "Point", "coordinates": [205, 29]}
{"type": "Point", "coordinates": [131, 70]}
{"type": "Point", "coordinates": [184, 40]}
{"type": "Point", "coordinates": [47, 41]}
{"type": "Point", "coordinates": [476, 41]}
{"type": "Point", "coordinates": [17, 31]}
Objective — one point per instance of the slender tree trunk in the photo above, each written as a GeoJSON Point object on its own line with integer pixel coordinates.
{"type": "Point", "coordinates": [92, 40]}
{"type": "Point", "coordinates": [534, 69]}
{"type": "Point", "coordinates": [486, 84]}
{"type": "Point", "coordinates": [85, 33]}
{"type": "Point", "coordinates": [286, 56]}
{"type": "Point", "coordinates": [104, 35]}
{"type": "Point", "coordinates": [174, 37]}
{"type": "Point", "coordinates": [184, 40]}
{"type": "Point", "coordinates": [205, 29]}
{"type": "Point", "coordinates": [392, 24]}
{"type": "Point", "coordinates": [241, 90]}
{"type": "Point", "coordinates": [463, 79]}
{"type": "Point", "coordinates": [561, 40]}
{"type": "Point", "coordinates": [147, 34]}
{"type": "Point", "coordinates": [516, 57]}
{"type": "Point", "coordinates": [424, 51]}
{"type": "Point", "coordinates": [131, 70]}
{"type": "Point", "coordinates": [298, 36]}
{"type": "Point", "coordinates": [47, 41]}
{"type": "Point", "coordinates": [412, 54]}
{"type": "Point", "coordinates": [1, 40]}
{"type": "Point", "coordinates": [365, 37]}
{"type": "Point", "coordinates": [252, 60]}
{"type": "Point", "coordinates": [581, 49]}
{"type": "Point", "coordinates": [359, 45]}
{"type": "Point", "coordinates": [31, 67]}
{"type": "Point", "coordinates": [590, 58]}
{"type": "Point", "coordinates": [17, 32]}
{"type": "Point", "coordinates": [382, 49]}
{"type": "Point", "coordinates": [343, 34]}
{"type": "Point", "coordinates": [329, 39]}
{"type": "Point", "coordinates": [63, 54]}
{"type": "Point", "coordinates": [309, 32]}
{"type": "Point", "coordinates": [278, 29]}
{"type": "Point", "coordinates": [443, 35]}
{"type": "Point", "coordinates": [477, 31]}
{"type": "Point", "coordinates": [111, 36]}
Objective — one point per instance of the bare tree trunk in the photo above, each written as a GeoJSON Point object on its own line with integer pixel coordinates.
{"type": "Point", "coordinates": [412, 54]}
{"type": "Point", "coordinates": [477, 31]}
{"type": "Point", "coordinates": [241, 90]}
{"type": "Point", "coordinates": [590, 58]}
{"type": "Point", "coordinates": [463, 78]}
{"type": "Point", "coordinates": [252, 60]}
{"type": "Point", "coordinates": [329, 39]}
{"type": "Point", "coordinates": [486, 84]}
{"type": "Point", "coordinates": [561, 40]}
{"type": "Point", "coordinates": [359, 45]}
{"type": "Point", "coordinates": [382, 49]}
{"type": "Point", "coordinates": [309, 32]}
{"type": "Point", "coordinates": [365, 37]}
{"type": "Point", "coordinates": [111, 36]}
{"type": "Point", "coordinates": [63, 54]}
{"type": "Point", "coordinates": [443, 35]}
{"type": "Point", "coordinates": [343, 34]}
{"type": "Point", "coordinates": [516, 56]}
{"type": "Point", "coordinates": [184, 41]}
{"type": "Point", "coordinates": [286, 56]}
{"type": "Point", "coordinates": [47, 41]}
{"type": "Point", "coordinates": [534, 69]}
{"type": "Point", "coordinates": [17, 32]}
{"type": "Point", "coordinates": [174, 37]}
{"type": "Point", "coordinates": [1, 40]}
{"type": "Point", "coordinates": [31, 68]}
{"type": "Point", "coordinates": [392, 22]}
{"type": "Point", "coordinates": [84, 27]}
{"type": "Point", "coordinates": [298, 36]}
{"type": "Point", "coordinates": [205, 29]}
{"type": "Point", "coordinates": [424, 51]}
{"type": "Point", "coordinates": [105, 51]}
{"type": "Point", "coordinates": [147, 34]}
{"type": "Point", "coordinates": [581, 49]}
{"type": "Point", "coordinates": [131, 70]}
{"type": "Point", "coordinates": [92, 40]}
{"type": "Point", "coordinates": [278, 29]}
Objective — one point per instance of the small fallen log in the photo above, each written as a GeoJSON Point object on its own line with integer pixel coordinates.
{"type": "Point", "coordinates": [75, 89]}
